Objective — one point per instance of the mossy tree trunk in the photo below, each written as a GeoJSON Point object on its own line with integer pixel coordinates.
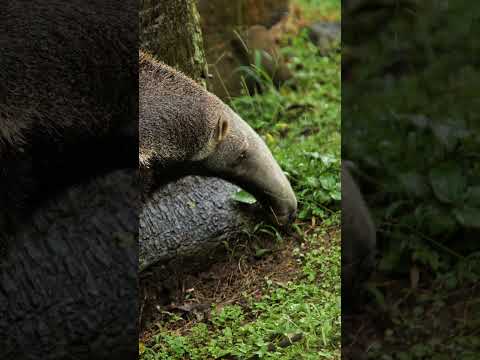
{"type": "Point", "coordinates": [170, 30]}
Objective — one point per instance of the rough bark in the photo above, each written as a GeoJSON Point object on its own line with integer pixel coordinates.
{"type": "Point", "coordinates": [68, 288]}
{"type": "Point", "coordinates": [189, 219]}
{"type": "Point", "coordinates": [170, 30]}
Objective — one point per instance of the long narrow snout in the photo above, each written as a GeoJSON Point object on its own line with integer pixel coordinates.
{"type": "Point", "coordinates": [269, 184]}
{"type": "Point", "coordinates": [258, 172]}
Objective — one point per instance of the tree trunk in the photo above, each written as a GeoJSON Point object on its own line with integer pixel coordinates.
{"type": "Point", "coordinates": [170, 30]}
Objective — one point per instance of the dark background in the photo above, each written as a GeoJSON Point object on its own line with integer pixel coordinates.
{"type": "Point", "coordinates": [410, 74]}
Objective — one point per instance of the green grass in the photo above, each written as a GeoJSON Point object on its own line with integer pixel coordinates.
{"type": "Point", "coordinates": [302, 128]}
{"type": "Point", "coordinates": [305, 308]}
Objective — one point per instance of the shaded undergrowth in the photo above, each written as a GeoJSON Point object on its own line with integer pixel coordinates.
{"type": "Point", "coordinates": [410, 121]}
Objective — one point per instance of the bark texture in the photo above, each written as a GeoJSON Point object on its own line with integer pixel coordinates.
{"type": "Point", "coordinates": [170, 30]}
{"type": "Point", "coordinates": [189, 219]}
{"type": "Point", "coordinates": [68, 288]}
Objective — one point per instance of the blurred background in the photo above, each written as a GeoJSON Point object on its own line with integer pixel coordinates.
{"type": "Point", "coordinates": [410, 74]}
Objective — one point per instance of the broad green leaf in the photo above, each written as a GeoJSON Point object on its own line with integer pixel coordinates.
{"type": "Point", "coordinates": [244, 197]}
{"type": "Point", "coordinates": [414, 184]}
{"type": "Point", "coordinates": [468, 216]}
{"type": "Point", "coordinates": [473, 196]}
{"type": "Point", "coordinates": [328, 182]}
{"type": "Point", "coordinates": [446, 135]}
{"type": "Point", "coordinates": [391, 210]}
{"type": "Point", "coordinates": [448, 182]}
{"type": "Point", "coordinates": [436, 220]}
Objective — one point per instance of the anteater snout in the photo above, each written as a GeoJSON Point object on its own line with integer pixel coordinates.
{"type": "Point", "coordinates": [285, 213]}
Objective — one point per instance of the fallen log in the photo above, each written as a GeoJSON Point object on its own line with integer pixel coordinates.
{"type": "Point", "coordinates": [187, 220]}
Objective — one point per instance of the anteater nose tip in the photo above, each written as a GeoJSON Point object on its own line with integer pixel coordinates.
{"type": "Point", "coordinates": [286, 219]}
{"type": "Point", "coordinates": [292, 217]}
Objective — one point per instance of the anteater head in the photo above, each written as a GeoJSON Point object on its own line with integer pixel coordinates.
{"type": "Point", "coordinates": [186, 130]}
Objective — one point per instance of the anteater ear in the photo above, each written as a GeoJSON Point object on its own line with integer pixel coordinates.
{"type": "Point", "coordinates": [222, 129]}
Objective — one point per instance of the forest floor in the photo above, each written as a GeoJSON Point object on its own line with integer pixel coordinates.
{"type": "Point", "coordinates": [277, 296]}
{"type": "Point", "coordinates": [428, 322]}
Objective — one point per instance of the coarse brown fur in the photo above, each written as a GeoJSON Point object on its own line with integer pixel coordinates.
{"type": "Point", "coordinates": [175, 110]}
